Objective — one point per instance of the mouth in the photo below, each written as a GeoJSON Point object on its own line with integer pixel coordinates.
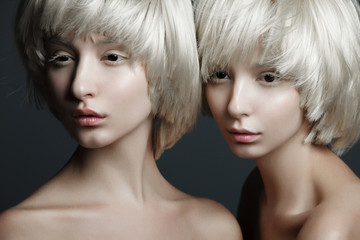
{"type": "Point", "coordinates": [87, 117]}
{"type": "Point", "coordinates": [244, 136]}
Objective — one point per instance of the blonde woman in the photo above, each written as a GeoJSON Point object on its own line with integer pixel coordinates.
{"type": "Point", "coordinates": [122, 77]}
{"type": "Point", "coordinates": [282, 81]}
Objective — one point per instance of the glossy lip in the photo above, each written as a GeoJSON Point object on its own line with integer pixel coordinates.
{"type": "Point", "coordinates": [87, 117]}
{"type": "Point", "coordinates": [243, 135]}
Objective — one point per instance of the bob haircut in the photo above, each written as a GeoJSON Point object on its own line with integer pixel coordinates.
{"type": "Point", "coordinates": [159, 34]}
{"type": "Point", "coordinates": [315, 44]}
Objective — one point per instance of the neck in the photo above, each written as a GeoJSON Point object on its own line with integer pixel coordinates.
{"type": "Point", "coordinates": [125, 169]}
{"type": "Point", "coordinates": [287, 177]}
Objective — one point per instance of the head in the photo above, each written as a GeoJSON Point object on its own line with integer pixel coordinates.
{"type": "Point", "coordinates": [158, 34]}
{"type": "Point", "coordinates": [308, 45]}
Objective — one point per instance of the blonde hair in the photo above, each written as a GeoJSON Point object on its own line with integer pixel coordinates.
{"type": "Point", "coordinates": [314, 43]}
{"type": "Point", "coordinates": [161, 34]}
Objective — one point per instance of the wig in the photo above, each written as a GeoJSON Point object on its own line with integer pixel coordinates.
{"type": "Point", "coordinates": [315, 44]}
{"type": "Point", "coordinates": [160, 34]}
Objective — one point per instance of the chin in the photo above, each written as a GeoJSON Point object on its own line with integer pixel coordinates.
{"type": "Point", "coordinates": [93, 142]}
{"type": "Point", "coordinates": [246, 151]}
{"type": "Point", "coordinates": [91, 145]}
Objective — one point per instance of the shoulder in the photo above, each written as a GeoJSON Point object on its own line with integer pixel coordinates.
{"type": "Point", "coordinates": [330, 226]}
{"type": "Point", "coordinates": [213, 221]}
{"type": "Point", "coordinates": [8, 222]}
{"type": "Point", "coordinates": [336, 218]}
{"type": "Point", "coordinates": [22, 223]}
{"type": "Point", "coordinates": [14, 224]}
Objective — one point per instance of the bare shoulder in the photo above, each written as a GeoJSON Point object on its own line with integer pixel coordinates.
{"type": "Point", "coordinates": [16, 224]}
{"type": "Point", "coordinates": [336, 218]}
{"type": "Point", "coordinates": [9, 220]}
{"type": "Point", "coordinates": [213, 220]}
{"type": "Point", "coordinates": [26, 223]}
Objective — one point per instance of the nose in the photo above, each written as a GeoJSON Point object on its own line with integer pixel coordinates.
{"type": "Point", "coordinates": [84, 84]}
{"type": "Point", "coordinates": [241, 100]}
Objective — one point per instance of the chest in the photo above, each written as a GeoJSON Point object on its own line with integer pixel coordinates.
{"type": "Point", "coordinates": [125, 230]}
{"type": "Point", "coordinates": [112, 226]}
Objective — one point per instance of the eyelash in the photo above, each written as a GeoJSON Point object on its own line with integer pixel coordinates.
{"type": "Point", "coordinates": [60, 60]}
{"type": "Point", "coordinates": [273, 75]}
{"type": "Point", "coordinates": [216, 79]}
{"type": "Point", "coordinates": [220, 76]}
{"type": "Point", "coordinates": [116, 61]}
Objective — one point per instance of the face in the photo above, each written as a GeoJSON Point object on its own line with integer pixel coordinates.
{"type": "Point", "coordinates": [256, 112]}
{"type": "Point", "coordinates": [95, 92]}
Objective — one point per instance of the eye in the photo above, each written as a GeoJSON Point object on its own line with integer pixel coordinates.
{"type": "Point", "coordinates": [221, 75]}
{"type": "Point", "coordinates": [60, 59]}
{"type": "Point", "coordinates": [218, 77]}
{"type": "Point", "coordinates": [268, 78]}
{"type": "Point", "coordinates": [113, 58]}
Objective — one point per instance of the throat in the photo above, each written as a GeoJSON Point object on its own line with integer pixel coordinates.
{"type": "Point", "coordinates": [113, 176]}
{"type": "Point", "coordinates": [288, 183]}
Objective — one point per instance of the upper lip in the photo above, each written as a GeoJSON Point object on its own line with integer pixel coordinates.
{"type": "Point", "coordinates": [85, 112]}
{"type": "Point", "coordinates": [242, 131]}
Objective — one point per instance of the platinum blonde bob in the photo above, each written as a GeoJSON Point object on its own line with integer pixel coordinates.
{"type": "Point", "coordinates": [314, 43]}
{"type": "Point", "coordinates": [158, 33]}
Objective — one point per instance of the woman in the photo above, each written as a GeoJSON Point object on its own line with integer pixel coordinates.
{"type": "Point", "coordinates": [122, 77]}
{"type": "Point", "coordinates": [282, 81]}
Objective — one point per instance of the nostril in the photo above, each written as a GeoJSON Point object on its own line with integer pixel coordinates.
{"type": "Point", "coordinates": [239, 106]}
{"type": "Point", "coordinates": [84, 78]}
{"type": "Point", "coordinates": [83, 88]}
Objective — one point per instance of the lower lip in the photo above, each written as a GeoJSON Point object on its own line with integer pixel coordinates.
{"type": "Point", "coordinates": [89, 121]}
{"type": "Point", "coordinates": [244, 137]}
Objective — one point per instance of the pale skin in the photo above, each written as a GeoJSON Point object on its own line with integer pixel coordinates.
{"type": "Point", "coordinates": [309, 192]}
{"type": "Point", "coordinates": [111, 188]}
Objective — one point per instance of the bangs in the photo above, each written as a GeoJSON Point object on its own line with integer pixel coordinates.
{"type": "Point", "coordinates": [231, 35]}
{"type": "Point", "coordinates": [309, 45]}
{"type": "Point", "coordinates": [120, 21]}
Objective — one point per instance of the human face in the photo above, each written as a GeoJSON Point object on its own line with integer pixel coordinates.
{"type": "Point", "coordinates": [95, 92]}
{"type": "Point", "coordinates": [256, 112]}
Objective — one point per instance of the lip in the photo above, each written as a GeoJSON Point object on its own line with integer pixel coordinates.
{"type": "Point", "coordinates": [244, 136]}
{"type": "Point", "coordinates": [87, 118]}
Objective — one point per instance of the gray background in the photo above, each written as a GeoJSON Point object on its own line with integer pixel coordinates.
{"type": "Point", "coordinates": [34, 145]}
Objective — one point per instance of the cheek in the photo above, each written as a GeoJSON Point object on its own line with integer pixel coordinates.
{"type": "Point", "coordinates": [286, 100]}
{"type": "Point", "coordinates": [217, 99]}
{"type": "Point", "coordinates": [131, 89]}
{"type": "Point", "coordinates": [284, 109]}
{"type": "Point", "coordinates": [58, 83]}
{"type": "Point", "coordinates": [291, 103]}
